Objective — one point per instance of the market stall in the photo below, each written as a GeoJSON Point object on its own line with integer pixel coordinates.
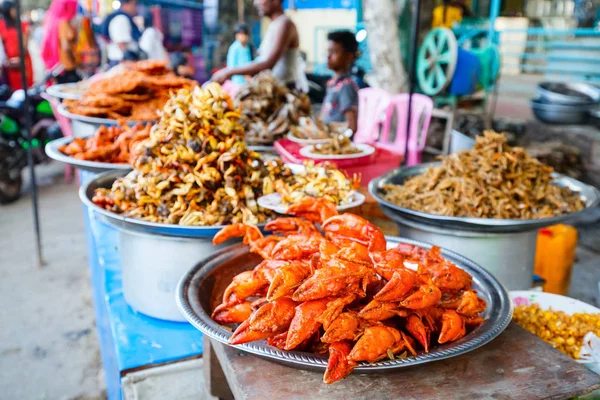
{"type": "Point", "coordinates": [315, 285]}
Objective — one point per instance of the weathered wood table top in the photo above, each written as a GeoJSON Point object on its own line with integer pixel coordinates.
{"type": "Point", "coordinates": [516, 365]}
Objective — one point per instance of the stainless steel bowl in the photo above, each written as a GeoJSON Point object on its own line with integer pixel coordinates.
{"type": "Point", "coordinates": [52, 150]}
{"type": "Point", "coordinates": [552, 113]}
{"type": "Point", "coordinates": [201, 289]}
{"type": "Point", "coordinates": [589, 195]}
{"type": "Point", "coordinates": [568, 93]}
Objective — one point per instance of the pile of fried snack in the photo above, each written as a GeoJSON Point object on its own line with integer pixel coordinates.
{"type": "Point", "coordinates": [110, 144]}
{"type": "Point", "coordinates": [195, 168]}
{"type": "Point", "coordinates": [321, 181]}
{"type": "Point", "coordinates": [343, 293]}
{"type": "Point", "coordinates": [492, 180]}
{"type": "Point", "coordinates": [136, 94]}
{"type": "Point", "coordinates": [339, 145]}
{"type": "Point", "coordinates": [269, 108]}
{"type": "Point", "coordinates": [312, 128]}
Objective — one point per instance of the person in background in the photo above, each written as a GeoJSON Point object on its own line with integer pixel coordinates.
{"type": "Point", "coordinates": [239, 53]}
{"type": "Point", "coordinates": [10, 41]}
{"type": "Point", "coordinates": [151, 41]}
{"type": "Point", "coordinates": [278, 50]}
{"type": "Point", "coordinates": [60, 40]}
{"type": "Point", "coordinates": [341, 98]}
{"type": "Point", "coordinates": [121, 32]}
{"type": "Point", "coordinates": [178, 62]}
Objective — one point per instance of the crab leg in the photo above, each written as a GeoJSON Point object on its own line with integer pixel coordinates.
{"type": "Point", "coordinates": [453, 327]}
{"type": "Point", "coordinates": [338, 366]}
{"type": "Point", "coordinates": [269, 320]}
{"type": "Point", "coordinates": [305, 323]}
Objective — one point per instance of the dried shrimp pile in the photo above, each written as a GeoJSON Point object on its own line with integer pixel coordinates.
{"type": "Point", "coordinates": [340, 144]}
{"type": "Point", "coordinates": [563, 331]}
{"type": "Point", "coordinates": [195, 168]}
{"type": "Point", "coordinates": [320, 181]}
{"type": "Point", "coordinates": [343, 293]}
{"type": "Point", "coordinates": [110, 144]}
{"type": "Point", "coordinates": [269, 108]}
{"type": "Point", "coordinates": [137, 94]}
{"type": "Point", "coordinates": [492, 180]}
{"type": "Point", "coordinates": [314, 129]}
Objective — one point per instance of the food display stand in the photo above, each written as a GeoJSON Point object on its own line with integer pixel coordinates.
{"type": "Point", "coordinates": [515, 365]}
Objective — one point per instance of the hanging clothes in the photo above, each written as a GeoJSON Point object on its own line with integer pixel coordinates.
{"type": "Point", "coordinates": [10, 41]}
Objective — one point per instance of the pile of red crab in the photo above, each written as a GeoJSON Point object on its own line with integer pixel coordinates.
{"type": "Point", "coordinates": [343, 292]}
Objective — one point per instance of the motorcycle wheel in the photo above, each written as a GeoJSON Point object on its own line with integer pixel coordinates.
{"type": "Point", "coordinates": [10, 187]}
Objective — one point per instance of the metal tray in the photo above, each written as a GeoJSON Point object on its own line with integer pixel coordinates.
{"type": "Point", "coordinates": [553, 92]}
{"type": "Point", "coordinates": [200, 290]}
{"type": "Point", "coordinates": [52, 150]}
{"type": "Point", "coordinates": [93, 120]}
{"type": "Point", "coordinates": [57, 91]}
{"type": "Point", "coordinates": [589, 194]}
{"type": "Point", "coordinates": [105, 180]}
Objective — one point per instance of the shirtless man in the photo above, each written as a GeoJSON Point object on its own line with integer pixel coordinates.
{"type": "Point", "coordinates": [278, 50]}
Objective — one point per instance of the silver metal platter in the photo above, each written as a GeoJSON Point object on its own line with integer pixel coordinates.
{"type": "Point", "coordinates": [589, 195]}
{"type": "Point", "coordinates": [200, 291]}
{"type": "Point", "coordinates": [93, 120]}
{"type": "Point", "coordinates": [65, 91]}
{"type": "Point", "coordinates": [105, 180]}
{"type": "Point", "coordinates": [52, 150]}
{"type": "Point", "coordinates": [576, 93]}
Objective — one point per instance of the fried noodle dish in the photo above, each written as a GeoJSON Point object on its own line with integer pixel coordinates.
{"type": "Point", "coordinates": [492, 180]}
{"type": "Point", "coordinates": [110, 144]}
{"type": "Point", "coordinates": [195, 168]}
{"type": "Point", "coordinates": [341, 292]}
{"type": "Point", "coordinates": [137, 94]}
{"type": "Point", "coordinates": [339, 145]}
{"type": "Point", "coordinates": [320, 181]}
{"type": "Point", "coordinates": [309, 128]}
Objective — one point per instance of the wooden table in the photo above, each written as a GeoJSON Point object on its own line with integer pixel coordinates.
{"type": "Point", "coordinates": [516, 365]}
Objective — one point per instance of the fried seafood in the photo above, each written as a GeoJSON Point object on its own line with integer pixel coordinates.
{"type": "Point", "coordinates": [314, 129]}
{"type": "Point", "coordinates": [269, 108]}
{"type": "Point", "coordinates": [492, 180]}
{"type": "Point", "coordinates": [137, 93]}
{"type": "Point", "coordinates": [110, 144]}
{"type": "Point", "coordinates": [343, 292]}
{"type": "Point", "coordinates": [340, 144]}
{"type": "Point", "coordinates": [321, 181]}
{"type": "Point", "coordinates": [194, 169]}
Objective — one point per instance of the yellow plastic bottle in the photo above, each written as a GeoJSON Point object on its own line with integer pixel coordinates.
{"type": "Point", "coordinates": [554, 257]}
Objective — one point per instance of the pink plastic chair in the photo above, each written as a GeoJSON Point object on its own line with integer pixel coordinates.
{"type": "Point", "coordinates": [422, 107]}
{"type": "Point", "coordinates": [371, 104]}
{"type": "Point", "coordinates": [65, 126]}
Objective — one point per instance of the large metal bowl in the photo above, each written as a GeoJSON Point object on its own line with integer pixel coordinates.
{"type": "Point", "coordinates": [84, 126]}
{"type": "Point", "coordinates": [52, 150]}
{"type": "Point", "coordinates": [105, 180]}
{"type": "Point", "coordinates": [589, 195]}
{"type": "Point", "coordinates": [201, 289]}
{"type": "Point", "coordinates": [552, 113]}
{"type": "Point", "coordinates": [568, 93]}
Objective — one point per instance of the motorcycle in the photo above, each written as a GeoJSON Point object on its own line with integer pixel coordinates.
{"type": "Point", "coordinates": [14, 143]}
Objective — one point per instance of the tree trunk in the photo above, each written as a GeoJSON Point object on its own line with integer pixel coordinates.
{"type": "Point", "coordinates": [381, 22]}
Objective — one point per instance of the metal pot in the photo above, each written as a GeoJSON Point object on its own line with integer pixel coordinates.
{"type": "Point", "coordinates": [559, 113]}
{"type": "Point", "coordinates": [507, 256]}
{"type": "Point", "coordinates": [152, 265]}
{"type": "Point", "coordinates": [568, 93]}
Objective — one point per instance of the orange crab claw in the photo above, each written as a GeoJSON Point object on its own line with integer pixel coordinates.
{"type": "Point", "coordinates": [334, 308]}
{"type": "Point", "coordinates": [264, 246]}
{"type": "Point", "coordinates": [269, 320]}
{"type": "Point", "coordinates": [242, 286]}
{"type": "Point", "coordinates": [291, 225]}
{"type": "Point", "coordinates": [400, 284]}
{"type": "Point", "coordinates": [278, 340]}
{"type": "Point", "coordinates": [427, 295]}
{"type": "Point", "coordinates": [379, 311]}
{"type": "Point", "coordinates": [296, 247]}
{"type": "Point", "coordinates": [338, 366]}
{"type": "Point", "coordinates": [232, 313]}
{"type": "Point", "coordinates": [345, 327]}
{"type": "Point", "coordinates": [313, 209]}
{"type": "Point", "coordinates": [328, 282]}
{"type": "Point", "coordinates": [249, 232]}
{"type": "Point", "coordinates": [375, 342]}
{"type": "Point", "coordinates": [453, 327]}
{"type": "Point", "coordinates": [470, 304]}
{"type": "Point", "coordinates": [387, 262]}
{"type": "Point", "coordinates": [418, 330]}
{"type": "Point", "coordinates": [350, 227]}
{"type": "Point", "coordinates": [287, 278]}
{"type": "Point", "coordinates": [305, 323]}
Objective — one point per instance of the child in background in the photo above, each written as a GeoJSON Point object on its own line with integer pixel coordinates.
{"type": "Point", "coordinates": [341, 99]}
{"type": "Point", "coordinates": [239, 53]}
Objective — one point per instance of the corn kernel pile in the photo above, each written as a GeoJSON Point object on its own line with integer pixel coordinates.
{"type": "Point", "coordinates": [563, 331]}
